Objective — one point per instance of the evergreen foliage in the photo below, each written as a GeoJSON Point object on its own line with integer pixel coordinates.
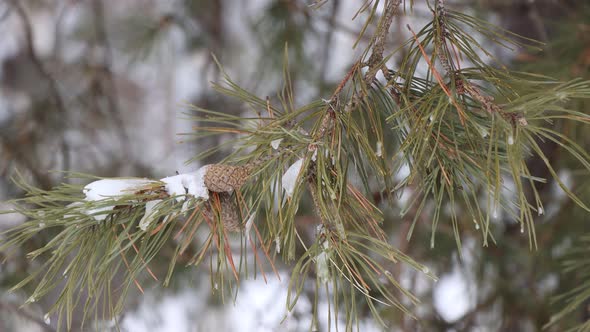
{"type": "Point", "coordinates": [464, 124]}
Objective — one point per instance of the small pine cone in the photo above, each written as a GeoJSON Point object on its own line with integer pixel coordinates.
{"type": "Point", "coordinates": [229, 211]}
{"type": "Point", "coordinates": [225, 178]}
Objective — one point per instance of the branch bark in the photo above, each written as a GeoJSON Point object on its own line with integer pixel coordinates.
{"type": "Point", "coordinates": [376, 59]}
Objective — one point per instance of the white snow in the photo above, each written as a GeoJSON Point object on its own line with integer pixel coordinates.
{"type": "Point", "coordinates": [495, 212]}
{"type": "Point", "coordinates": [322, 266]}
{"type": "Point", "coordinates": [174, 186]}
{"type": "Point", "coordinates": [179, 185]}
{"type": "Point", "coordinates": [112, 188]}
{"type": "Point", "coordinates": [275, 144]}
{"type": "Point", "coordinates": [289, 179]}
{"type": "Point", "coordinates": [249, 224]}
{"type": "Point", "coordinates": [99, 213]}
{"type": "Point", "coordinates": [510, 140]}
{"type": "Point", "coordinates": [74, 206]}
{"type": "Point", "coordinates": [148, 217]}
{"type": "Point", "coordinates": [193, 182]}
{"type": "Point", "coordinates": [379, 151]}
{"type": "Point", "coordinates": [278, 245]}
{"type": "Point", "coordinates": [483, 132]}
{"type": "Point", "coordinates": [322, 260]}
{"type": "Point", "coordinates": [185, 206]}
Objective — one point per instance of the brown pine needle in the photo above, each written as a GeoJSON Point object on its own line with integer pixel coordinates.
{"type": "Point", "coordinates": [345, 80]}
{"type": "Point", "coordinates": [242, 203]}
{"type": "Point", "coordinates": [228, 252]}
{"type": "Point", "coordinates": [439, 78]}
{"type": "Point", "coordinates": [213, 231]}
{"type": "Point", "coordinates": [128, 267]}
{"type": "Point", "coordinates": [189, 238]}
{"type": "Point", "coordinates": [157, 229]}
{"type": "Point", "coordinates": [370, 264]}
{"type": "Point", "coordinates": [203, 250]}
{"type": "Point", "coordinates": [190, 218]}
{"type": "Point", "coordinates": [353, 273]}
{"type": "Point", "coordinates": [265, 250]}
{"type": "Point", "coordinates": [140, 257]}
{"type": "Point", "coordinates": [444, 172]}
{"type": "Point", "coordinates": [367, 206]}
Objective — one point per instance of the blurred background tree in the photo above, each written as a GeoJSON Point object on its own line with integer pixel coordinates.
{"type": "Point", "coordinates": [99, 87]}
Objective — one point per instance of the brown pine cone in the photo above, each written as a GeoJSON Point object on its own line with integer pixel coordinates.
{"type": "Point", "coordinates": [225, 178]}
{"type": "Point", "coordinates": [228, 214]}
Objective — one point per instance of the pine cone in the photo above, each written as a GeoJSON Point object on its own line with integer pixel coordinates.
{"type": "Point", "coordinates": [229, 211]}
{"type": "Point", "coordinates": [225, 178]}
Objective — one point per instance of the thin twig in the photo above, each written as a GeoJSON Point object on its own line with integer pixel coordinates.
{"type": "Point", "coordinates": [440, 43]}
{"type": "Point", "coordinates": [380, 38]}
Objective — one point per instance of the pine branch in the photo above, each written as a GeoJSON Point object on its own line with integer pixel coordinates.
{"type": "Point", "coordinates": [465, 132]}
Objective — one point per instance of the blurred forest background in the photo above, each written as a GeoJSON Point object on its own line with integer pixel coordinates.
{"type": "Point", "coordinates": [100, 87]}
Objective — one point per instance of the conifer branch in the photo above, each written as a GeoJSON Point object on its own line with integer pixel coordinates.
{"type": "Point", "coordinates": [461, 140]}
